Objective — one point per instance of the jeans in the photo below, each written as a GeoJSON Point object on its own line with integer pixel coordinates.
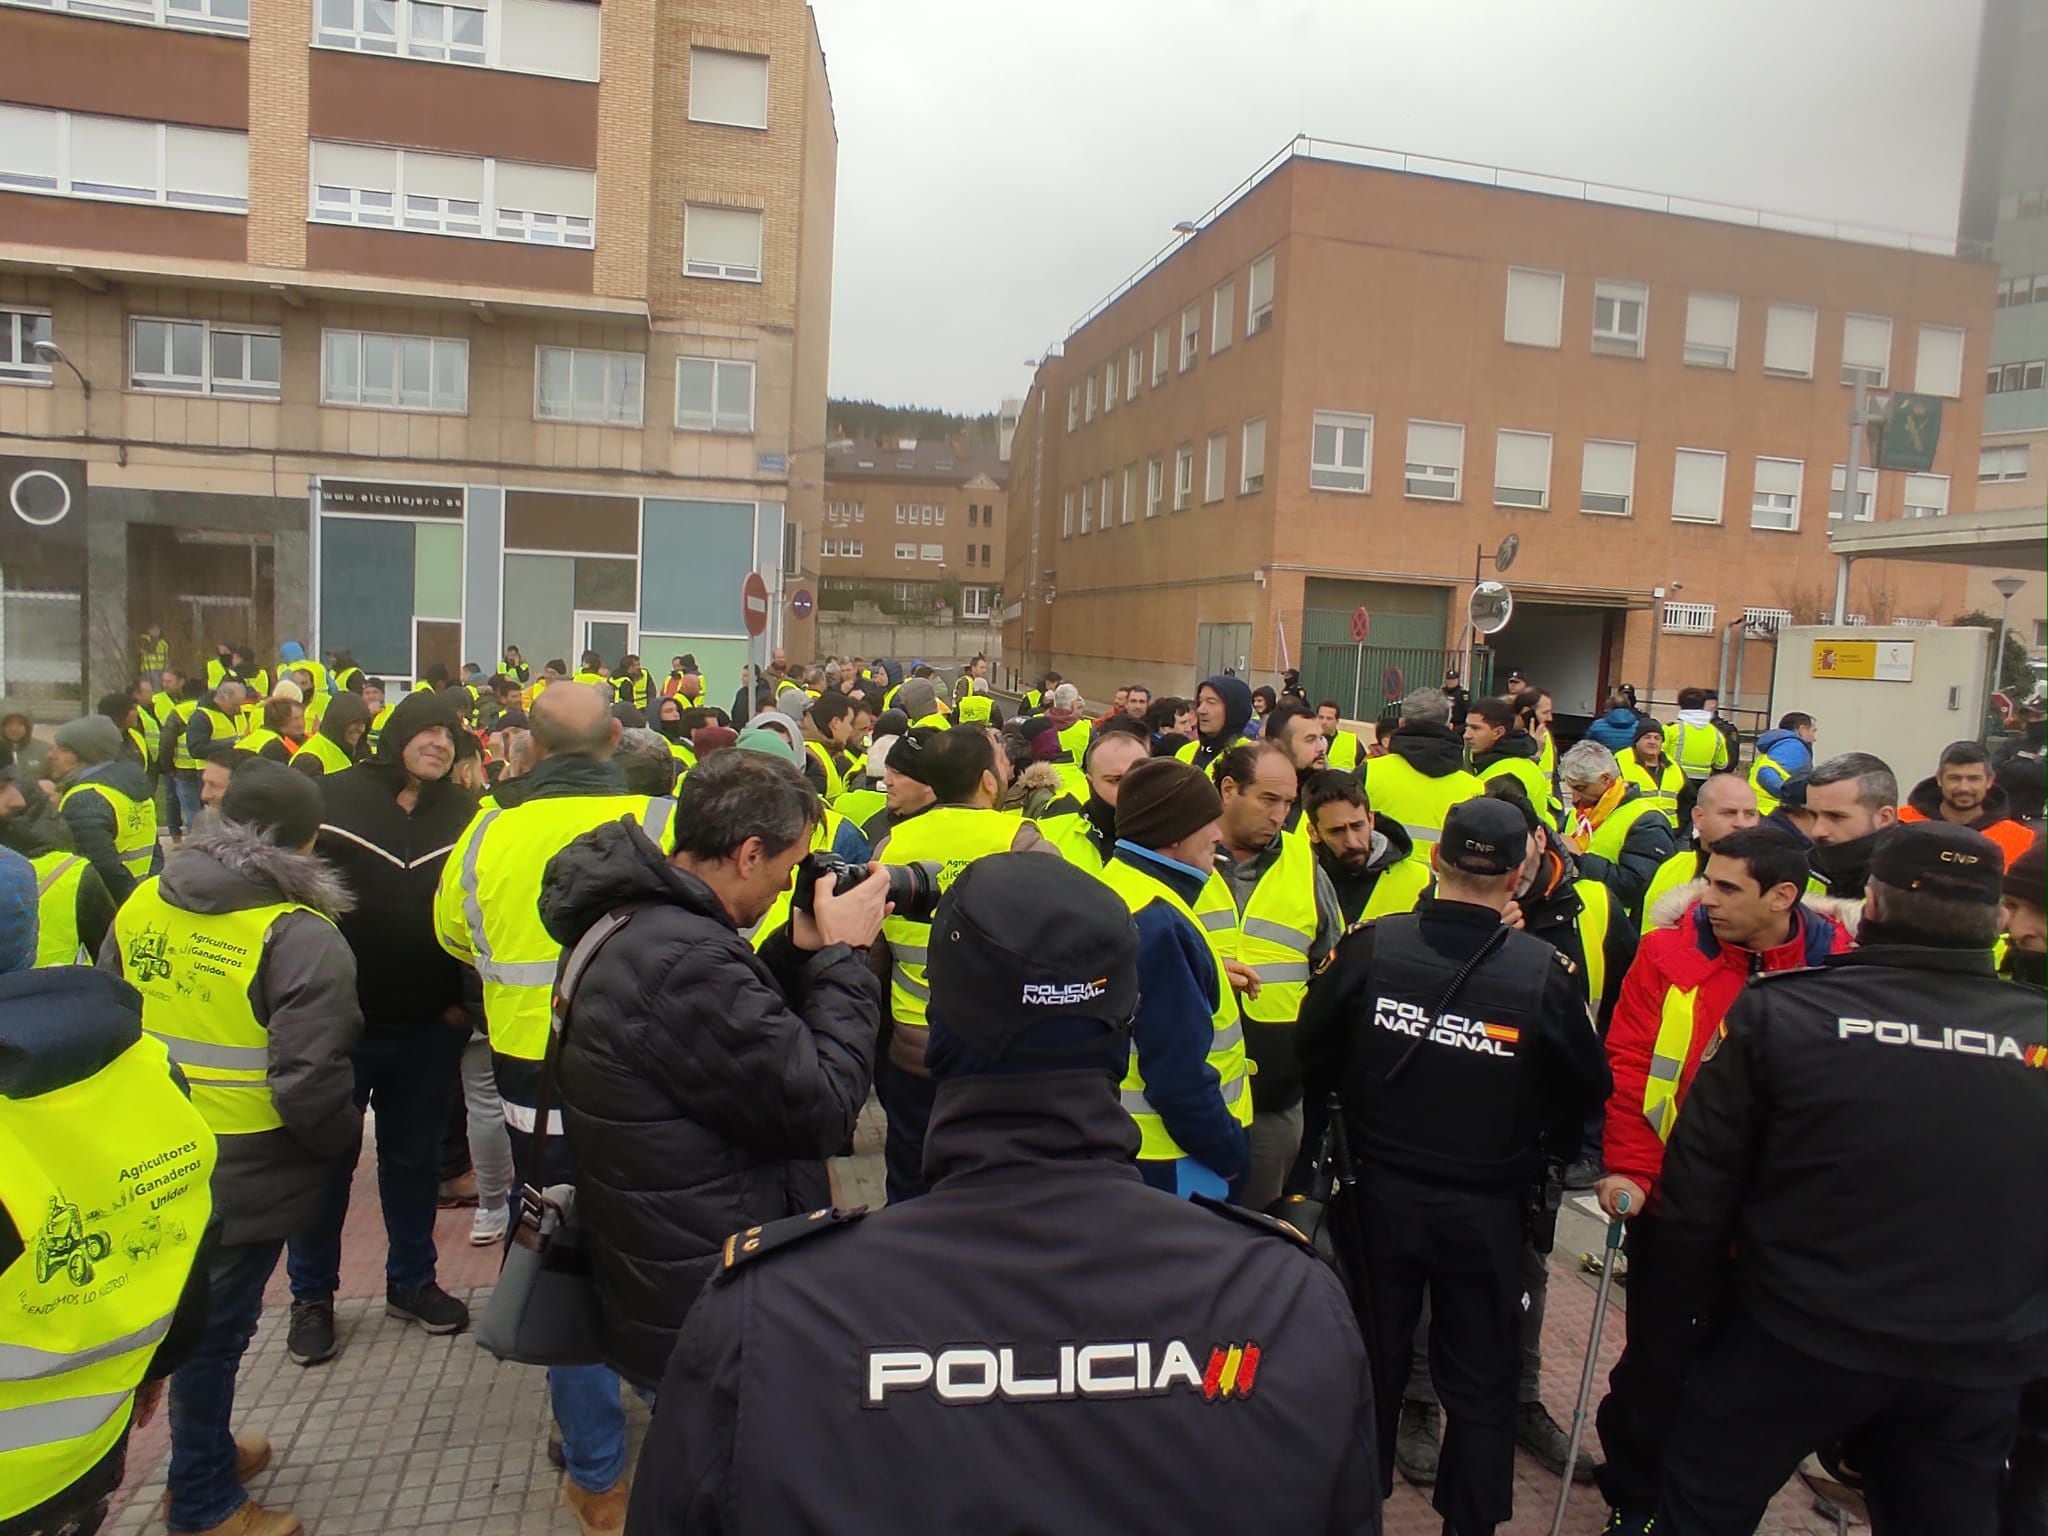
{"type": "Point", "coordinates": [186, 785]}
{"type": "Point", "coordinates": [203, 1487]}
{"type": "Point", "coordinates": [490, 1148]}
{"type": "Point", "coordinates": [906, 1100]}
{"type": "Point", "coordinates": [585, 1400]}
{"type": "Point", "coordinates": [408, 1078]}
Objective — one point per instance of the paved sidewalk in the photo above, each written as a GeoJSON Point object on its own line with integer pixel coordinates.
{"type": "Point", "coordinates": [401, 1432]}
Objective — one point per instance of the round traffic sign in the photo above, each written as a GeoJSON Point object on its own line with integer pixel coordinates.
{"type": "Point", "coordinates": [1393, 685]}
{"type": "Point", "coordinates": [802, 603]}
{"type": "Point", "coordinates": [1361, 625]}
{"type": "Point", "coordinates": [754, 603]}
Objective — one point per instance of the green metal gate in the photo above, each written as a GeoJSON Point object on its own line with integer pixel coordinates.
{"type": "Point", "coordinates": [1406, 652]}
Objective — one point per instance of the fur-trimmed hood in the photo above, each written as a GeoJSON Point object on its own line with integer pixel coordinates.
{"type": "Point", "coordinates": [225, 866]}
{"type": "Point", "coordinates": [1038, 776]}
{"type": "Point", "coordinates": [1668, 910]}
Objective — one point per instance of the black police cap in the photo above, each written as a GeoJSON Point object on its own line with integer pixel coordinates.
{"type": "Point", "coordinates": [1941, 859]}
{"type": "Point", "coordinates": [1483, 836]}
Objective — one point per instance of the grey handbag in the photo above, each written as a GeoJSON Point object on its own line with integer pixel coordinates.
{"type": "Point", "coordinates": [543, 1310]}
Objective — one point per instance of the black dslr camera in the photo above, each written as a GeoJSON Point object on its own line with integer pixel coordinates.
{"type": "Point", "coordinates": [913, 888]}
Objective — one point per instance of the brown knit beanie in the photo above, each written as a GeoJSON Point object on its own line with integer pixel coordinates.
{"type": "Point", "coordinates": [1162, 800]}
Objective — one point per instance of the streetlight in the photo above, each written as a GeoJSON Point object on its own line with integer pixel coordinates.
{"type": "Point", "coordinates": [50, 352]}
{"type": "Point", "coordinates": [2005, 587]}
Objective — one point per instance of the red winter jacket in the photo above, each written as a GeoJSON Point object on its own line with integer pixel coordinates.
{"type": "Point", "coordinates": [1682, 958]}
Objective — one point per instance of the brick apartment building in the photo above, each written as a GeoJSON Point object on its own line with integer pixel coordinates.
{"type": "Point", "coordinates": [417, 328]}
{"type": "Point", "coordinates": [1353, 382]}
{"type": "Point", "coordinates": [913, 527]}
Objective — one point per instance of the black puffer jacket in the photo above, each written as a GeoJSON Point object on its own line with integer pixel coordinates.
{"type": "Point", "coordinates": [702, 1084]}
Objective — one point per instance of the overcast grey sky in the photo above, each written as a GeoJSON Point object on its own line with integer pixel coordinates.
{"type": "Point", "coordinates": [1003, 166]}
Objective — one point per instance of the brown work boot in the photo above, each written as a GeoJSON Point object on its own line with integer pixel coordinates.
{"type": "Point", "coordinates": [597, 1514]}
{"type": "Point", "coordinates": [252, 1455]}
{"type": "Point", "coordinates": [252, 1519]}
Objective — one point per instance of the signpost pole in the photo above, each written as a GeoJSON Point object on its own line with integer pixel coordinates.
{"type": "Point", "coordinates": [1851, 473]}
{"type": "Point", "coordinates": [1358, 683]}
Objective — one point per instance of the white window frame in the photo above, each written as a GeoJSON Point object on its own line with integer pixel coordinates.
{"type": "Point", "coordinates": [932, 554]}
{"type": "Point", "coordinates": [410, 40]}
{"type": "Point", "coordinates": [1627, 498]}
{"type": "Point", "coordinates": [1162, 353]}
{"type": "Point", "coordinates": [1257, 315]}
{"type": "Point", "coordinates": [18, 362]}
{"type": "Point", "coordinates": [1948, 388]}
{"type": "Point", "coordinates": [1438, 482]}
{"type": "Point", "coordinates": [698, 422]}
{"type": "Point", "coordinates": [1866, 493]}
{"type": "Point", "coordinates": [1088, 398]}
{"type": "Point", "coordinates": [1073, 406]}
{"type": "Point", "coordinates": [1918, 495]}
{"type": "Point", "coordinates": [906, 550]}
{"type": "Point", "coordinates": [1772, 318]}
{"type": "Point", "coordinates": [454, 218]}
{"type": "Point", "coordinates": [159, 194]}
{"type": "Point", "coordinates": [1104, 496]}
{"type": "Point", "coordinates": [611, 413]}
{"type": "Point", "coordinates": [2007, 461]}
{"type": "Point", "coordinates": [213, 16]}
{"type": "Point", "coordinates": [1190, 335]}
{"type": "Point", "coordinates": [1222, 315]}
{"type": "Point", "coordinates": [1249, 484]}
{"type": "Point", "coordinates": [728, 122]}
{"type": "Point", "coordinates": [1184, 473]}
{"type": "Point", "coordinates": [974, 602]}
{"type": "Point", "coordinates": [1771, 504]}
{"type": "Point", "coordinates": [1087, 506]}
{"type": "Point", "coordinates": [205, 383]}
{"type": "Point", "coordinates": [1701, 352]}
{"type": "Point", "coordinates": [1877, 377]}
{"type": "Point", "coordinates": [724, 272]}
{"type": "Point", "coordinates": [1155, 485]}
{"type": "Point", "coordinates": [1721, 501]}
{"type": "Point", "coordinates": [1215, 467]}
{"type": "Point", "coordinates": [1066, 515]}
{"type": "Point", "coordinates": [1554, 331]}
{"type": "Point", "coordinates": [1130, 506]}
{"type": "Point", "coordinates": [1518, 496]}
{"type": "Point", "coordinates": [1613, 340]}
{"type": "Point", "coordinates": [455, 347]}
{"type": "Point", "coordinates": [1109, 386]}
{"type": "Point", "coordinates": [1133, 366]}
{"type": "Point", "coordinates": [1334, 474]}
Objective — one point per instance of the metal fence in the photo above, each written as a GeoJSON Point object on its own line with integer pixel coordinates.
{"type": "Point", "coordinates": [1367, 681]}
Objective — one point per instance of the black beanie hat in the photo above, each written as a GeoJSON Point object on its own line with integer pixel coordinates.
{"type": "Point", "coordinates": [1162, 800]}
{"type": "Point", "coordinates": [281, 804]}
{"type": "Point", "coordinates": [415, 712]}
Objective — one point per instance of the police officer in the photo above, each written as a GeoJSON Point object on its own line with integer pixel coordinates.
{"type": "Point", "coordinates": [1464, 1057]}
{"type": "Point", "coordinates": [1176, 1345]}
{"type": "Point", "coordinates": [1854, 1131]}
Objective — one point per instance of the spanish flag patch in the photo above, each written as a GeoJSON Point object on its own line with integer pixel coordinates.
{"type": "Point", "coordinates": [1503, 1032]}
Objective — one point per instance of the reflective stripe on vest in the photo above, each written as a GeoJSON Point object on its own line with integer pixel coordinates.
{"type": "Point", "coordinates": [57, 877]}
{"type": "Point", "coordinates": [1277, 930]}
{"type": "Point", "coordinates": [1667, 1061]}
{"type": "Point", "coordinates": [195, 971]}
{"type": "Point", "coordinates": [134, 823]}
{"type": "Point", "coordinates": [330, 754]}
{"type": "Point", "coordinates": [1611, 834]}
{"type": "Point", "coordinates": [1596, 915]}
{"type": "Point", "coordinates": [181, 756]}
{"type": "Point", "coordinates": [1681, 734]}
{"type": "Point", "coordinates": [950, 837]}
{"type": "Point", "coordinates": [109, 1181]}
{"type": "Point", "coordinates": [1419, 802]}
{"type": "Point", "coordinates": [1226, 1055]}
{"type": "Point", "coordinates": [491, 893]}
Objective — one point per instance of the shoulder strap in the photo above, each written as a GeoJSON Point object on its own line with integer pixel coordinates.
{"type": "Point", "coordinates": [575, 962]}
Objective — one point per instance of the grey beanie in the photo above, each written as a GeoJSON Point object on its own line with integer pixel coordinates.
{"type": "Point", "coordinates": [91, 739]}
{"type": "Point", "coordinates": [917, 698]}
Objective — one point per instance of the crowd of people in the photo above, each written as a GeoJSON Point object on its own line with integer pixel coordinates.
{"type": "Point", "coordinates": [1130, 985]}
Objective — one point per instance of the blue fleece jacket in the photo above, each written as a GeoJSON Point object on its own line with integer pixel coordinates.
{"type": "Point", "coordinates": [1174, 1028]}
{"type": "Point", "coordinates": [1787, 755]}
{"type": "Point", "coordinates": [1616, 729]}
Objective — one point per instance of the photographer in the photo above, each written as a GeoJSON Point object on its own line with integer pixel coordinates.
{"type": "Point", "coordinates": [702, 1083]}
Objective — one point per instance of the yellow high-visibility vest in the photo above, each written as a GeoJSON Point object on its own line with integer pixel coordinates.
{"type": "Point", "coordinates": [195, 971]}
{"type": "Point", "coordinates": [134, 823]}
{"type": "Point", "coordinates": [58, 873]}
{"type": "Point", "coordinates": [109, 1182]}
{"type": "Point", "coordinates": [1277, 929]}
{"type": "Point", "coordinates": [976, 709]}
{"type": "Point", "coordinates": [487, 907]}
{"type": "Point", "coordinates": [1611, 834]}
{"type": "Point", "coordinates": [327, 752]}
{"type": "Point", "coordinates": [321, 682]}
{"type": "Point", "coordinates": [1226, 1055]}
{"type": "Point", "coordinates": [1071, 833]}
{"type": "Point", "coordinates": [1596, 915]}
{"type": "Point", "coordinates": [1699, 750]}
{"type": "Point", "coordinates": [777, 916]}
{"type": "Point", "coordinates": [859, 805]}
{"type": "Point", "coordinates": [835, 781]}
{"type": "Point", "coordinates": [1344, 753]}
{"type": "Point", "coordinates": [1396, 788]}
{"type": "Point", "coordinates": [951, 837]}
{"type": "Point", "coordinates": [1534, 784]}
{"type": "Point", "coordinates": [1397, 890]}
{"type": "Point", "coordinates": [181, 755]}
{"type": "Point", "coordinates": [1680, 869]}
{"type": "Point", "coordinates": [1667, 1060]}
{"type": "Point", "coordinates": [227, 730]}
{"type": "Point", "coordinates": [1661, 786]}
{"type": "Point", "coordinates": [258, 739]}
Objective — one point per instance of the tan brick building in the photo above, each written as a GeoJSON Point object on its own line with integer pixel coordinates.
{"type": "Point", "coordinates": [1353, 383]}
{"type": "Point", "coordinates": [417, 328]}
{"type": "Point", "coordinates": [914, 528]}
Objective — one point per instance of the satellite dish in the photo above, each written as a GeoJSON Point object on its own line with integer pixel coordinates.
{"type": "Point", "coordinates": [1490, 608]}
{"type": "Point", "coordinates": [1505, 555]}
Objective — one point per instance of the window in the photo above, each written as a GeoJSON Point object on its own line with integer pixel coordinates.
{"type": "Point", "coordinates": [541, 37]}
{"type": "Point", "coordinates": [722, 243]}
{"type": "Point", "coordinates": [1688, 618]}
{"type": "Point", "coordinates": [367, 26]}
{"type": "Point", "coordinates": [1106, 488]}
{"type": "Point", "coordinates": [1775, 503]}
{"type": "Point", "coordinates": [1788, 340]}
{"type": "Point", "coordinates": [1938, 368]}
{"type": "Point", "coordinates": [714, 395]}
{"type": "Point", "coordinates": [1214, 470]}
{"type": "Point", "coordinates": [1222, 315]}
{"type": "Point", "coordinates": [1619, 310]}
{"type": "Point", "coordinates": [1710, 321]}
{"type": "Point", "coordinates": [1698, 480]}
{"type": "Point", "coordinates": [601, 388]}
{"type": "Point", "coordinates": [1866, 494]}
{"type": "Point", "coordinates": [1927, 495]}
{"type": "Point", "coordinates": [1436, 460]}
{"type": "Point", "coordinates": [1866, 349]}
{"type": "Point", "coordinates": [906, 551]}
{"type": "Point", "coordinates": [970, 554]}
{"type": "Point", "coordinates": [827, 548]}
{"type": "Point", "coordinates": [1252, 458]}
{"type": "Point", "coordinates": [2010, 377]}
{"type": "Point", "coordinates": [1340, 452]}
{"type": "Point", "coordinates": [446, 195]}
{"type": "Point", "coordinates": [1190, 336]}
{"type": "Point", "coordinates": [1130, 493]}
{"type": "Point", "coordinates": [1155, 484]}
{"type": "Point", "coordinates": [448, 34]}
{"type": "Point", "coordinates": [20, 330]}
{"type": "Point", "coordinates": [1184, 476]}
{"type": "Point", "coordinates": [196, 357]}
{"type": "Point", "coordinates": [974, 602]}
{"type": "Point", "coordinates": [1607, 478]}
{"type": "Point", "coordinates": [1073, 406]}
{"type": "Point", "coordinates": [728, 88]}
{"type": "Point", "coordinates": [394, 373]}
{"type": "Point", "coordinates": [1088, 407]}
{"type": "Point", "coordinates": [1535, 307]}
{"type": "Point", "coordinates": [1066, 515]}
{"type": "Point", "coordinates": [540, 204]}
{"type": "Point", "coordinates": [1131, 366]}
{"type": "Point", "coordinates": [1087, 507]}
{"type": "Point", "coordinates": [225, 16]}
{"type": "Point", "coordinates": [122, 160]}
{"type": "Point", "coordinates": [1258, 304]}
{"type": "Point", "coordinates": [1521, 469]}
{"type": "Point", "coordinates": [935, 553]}
{"type": "Point", "coordinates": [1109, 386]}
{"type": "Point", "coordinates": [2003, 464]}
{"type": "Point", "coordinates": [1159, 355]}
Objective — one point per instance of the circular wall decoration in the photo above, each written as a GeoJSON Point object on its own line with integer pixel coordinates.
{"type": "Point", "coordinates": [39, 498]}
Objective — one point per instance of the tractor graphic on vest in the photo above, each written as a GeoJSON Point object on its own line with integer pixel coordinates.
{"type": "Point", "coordinates": [65, 1244]}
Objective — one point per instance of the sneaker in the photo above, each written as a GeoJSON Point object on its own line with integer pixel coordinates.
{"type": "Point", "coordinates": [1540, 1435]}
{"type": "Point", "coordinates": [429, 1306]}
{"type": "Point", "coordinates": [252, 1519]}
{"type": "Point", "coordinates": [1621, 1522]}
{"type": "Point", "coordinates": [597, 1514]}
{"type": "Point", "coordinates": [1584, 1173]}
{"type": "Point", "coordinates": [310, 1338]}
{"type": "Point", "coordinates": [488, 1225]}
{"type": "Point", "coordinates": [1416, 1442]}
